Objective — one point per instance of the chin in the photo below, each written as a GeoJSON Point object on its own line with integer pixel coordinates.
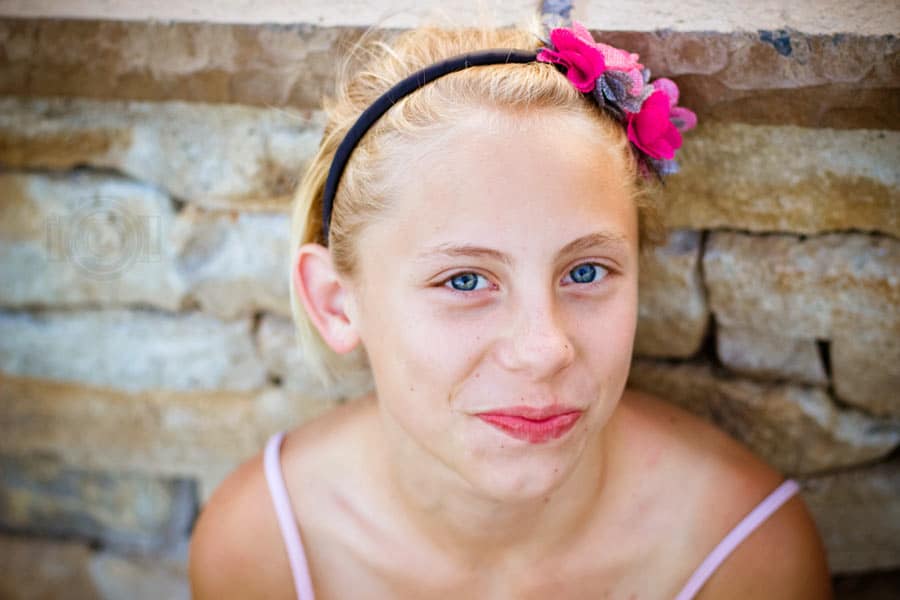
{"type": "Point", "coordinates": [516, 471]}
{"type": "Point", "coordinates": [530, 480]}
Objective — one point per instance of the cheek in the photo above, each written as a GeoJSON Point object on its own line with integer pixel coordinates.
{"type": "Point", "coordinates": [605, 332]}
{"type": "Point", "coordinates": [417, 356]}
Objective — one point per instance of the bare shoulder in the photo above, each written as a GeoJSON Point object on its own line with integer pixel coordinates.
{"type": "Point", "coordinates": [782, 559]}
{"type": "Point", "coordinates": [237, 549]}
{"type": "Point", "coordinates": [234, 551]}
{"type": "Point", "coordinates": [721, 482]}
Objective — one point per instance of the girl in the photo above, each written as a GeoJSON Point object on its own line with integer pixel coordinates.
{"type": "Point", "coordinates": [471, 237]}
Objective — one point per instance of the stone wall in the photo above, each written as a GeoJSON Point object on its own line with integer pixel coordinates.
{"type": "Point", "coordinates": [146, 349]}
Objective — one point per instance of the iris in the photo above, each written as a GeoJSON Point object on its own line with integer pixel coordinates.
{"type": "Point", "coordinates": [585, 273]}
{"type": "Point", "coordinates": [467, 281]}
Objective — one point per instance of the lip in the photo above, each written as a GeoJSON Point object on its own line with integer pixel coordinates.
{"type": "Point", "coordinates": [535, 425]}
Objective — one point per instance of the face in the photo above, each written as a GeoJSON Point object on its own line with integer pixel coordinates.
{"type": "Point", "coordinates": [503, 275]}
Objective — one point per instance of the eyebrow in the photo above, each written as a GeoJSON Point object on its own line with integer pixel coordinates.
{"type": "Point", "coordinates": [599, 238]}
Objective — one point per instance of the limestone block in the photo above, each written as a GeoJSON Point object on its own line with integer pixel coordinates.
{"type": "Point", "coordinates": [235, 264]}
{"type": "Point", "coordinates": [124, 511]}
{"type": "Point", "coordinates": [85, 239]}
{"type": "Point", "coordinates": [139, 578]}
{"type": "Point", "coordinates": [36, 568]}
{"type": "Point", "coordinates": [866, 370]}
{"type": "Point", "coordinates": [760, 66]}
{"type": "Point", "coordinates": [283, 357]}
{"type": "Point", "coordinates": [213, 155]}
{"type": "Point", "coordinates": [858, 515]}
{"type": "Point", "coordinates": [820, 16]}
{"type": "Point", "coordinates": [672, 311]}
{"type": "Point", "coordinates": [839, 288]}
{"type": "Point", "coordinates": [797, 429]}
{"type": "Point", "coordinates": [792, 179]}
{"type": "Point", "coordinates": [770, 356]}
{"type": "Point", "coordinates": [772, 76]}
{"type": "Point", "coordinates": [132, 350]}
{"type": "Point", "coordinates": [198, 435]}
{"type": "Point", "coordinates": [815, 287]}
{"type": "Point", "coordinates": [287, 12]}
{"type": "Point", "coordinates": [44, 568]}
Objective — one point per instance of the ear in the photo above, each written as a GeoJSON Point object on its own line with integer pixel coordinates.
{"type": "Point", "coordinates": [328, 301]}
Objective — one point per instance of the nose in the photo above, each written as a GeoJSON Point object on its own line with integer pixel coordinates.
{"type": "Point", "coordinates": [537, 343]}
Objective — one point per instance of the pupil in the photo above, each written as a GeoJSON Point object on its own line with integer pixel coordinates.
{"type": "Point", "coordinates": [468, 281]}
{"type": "Point", "coordinates": [584, 273]}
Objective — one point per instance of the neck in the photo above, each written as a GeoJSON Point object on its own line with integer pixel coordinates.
{"type": "Point", "coordinates": [476, 530]}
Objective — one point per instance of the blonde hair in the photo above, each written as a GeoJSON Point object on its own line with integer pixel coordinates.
{"type": "Point", "coordinates": [358, 200]}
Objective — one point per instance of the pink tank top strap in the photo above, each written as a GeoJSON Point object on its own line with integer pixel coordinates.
{"type": "Point", "coordinates": [286, 522]}
{"type": "Point", "coordinates": [758, 515]}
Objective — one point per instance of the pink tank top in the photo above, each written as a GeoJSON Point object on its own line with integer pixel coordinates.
{"type": "Point", "coordinates": [297, 558]}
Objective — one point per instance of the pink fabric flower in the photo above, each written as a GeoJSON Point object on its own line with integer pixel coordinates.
{"type": "Point", "coordinates": [620, 60]}
{"type": "Point", "coordinates": [575, 50]}
{"type": "Point", "coordinates": [682, 118]}
{"type": "Point", "coordinates": [655, 128]}
{"type": "Point", "coordinates": [651, 130]}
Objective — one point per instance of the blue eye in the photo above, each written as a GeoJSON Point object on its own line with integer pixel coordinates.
{"type": "Point", "coordinates": [464, 282]}
{"type": "Point", "coordinates": [588, 273]}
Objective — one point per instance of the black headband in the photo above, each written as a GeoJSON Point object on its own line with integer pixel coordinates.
{"type": "Point", "coordinates": [391, 97]}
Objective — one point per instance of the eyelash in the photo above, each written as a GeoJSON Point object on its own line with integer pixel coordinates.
{"type": "Point", "coordinates": [606, 272]}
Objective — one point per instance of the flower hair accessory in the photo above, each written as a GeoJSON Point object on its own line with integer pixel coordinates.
{"type": "Point", "coordinates": [614, 78]}
{"type": "Point", "coordinates": [621, 86]}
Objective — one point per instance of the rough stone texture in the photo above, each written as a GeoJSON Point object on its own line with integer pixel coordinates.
{"type": "Point", "coordinates": [213, 155]}
{"type": "Point", "coordinates": [34, 568]}
{"type": "Point", "coordinates": [132, 350]}
{"type": "Point", "coordinates": [858, 514]}
{"type": "Point", "coordinates": [795, 428]}
{"type": "Point", "coordinates": [85, 239]}
{"type": "Point", "coordinates": [866, 370]}
{"type": "Point", "coordinates": [283, 358]}
{"type": "Point", "coordinates": [806, 15]}
{"type": "Point", "coordinates": [126, 511]}
{"type": "Point", "coordinates": [825, 16]}
{"type": "Point", "coordinates": [838, 287]}
{"type": "Point", "coordinates": [777, 76]}
{"type": "Point", "coordinates": [191, 435]}
{"type": "Point", "coordinates": [779, 178]}
{"type": "Point", "coordinates": [672, 311]}
{"type": "Point", "coordinates": [804, 288]}
{"type": "Point", "coordinates": [235, 264]}
{"type": "Point", "coordinates": [770, 356]}
{"type": "Point", "coordinates": [354, 13]}
{"type": "Point", "coordinates": [816, 77]}
{"type": "Point", "coordinates": [139, 578]}
{"type": "Point", "coordinates": [765, 178]}
{"type": "Point", "coordinates": [82, 239]}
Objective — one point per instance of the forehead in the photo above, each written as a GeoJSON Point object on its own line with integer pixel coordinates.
{"type": "Point", "coordinates": [531, 181]}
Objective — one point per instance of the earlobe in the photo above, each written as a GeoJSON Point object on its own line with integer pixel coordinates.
{"type": "Point", "coordinates": [327, 301]}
